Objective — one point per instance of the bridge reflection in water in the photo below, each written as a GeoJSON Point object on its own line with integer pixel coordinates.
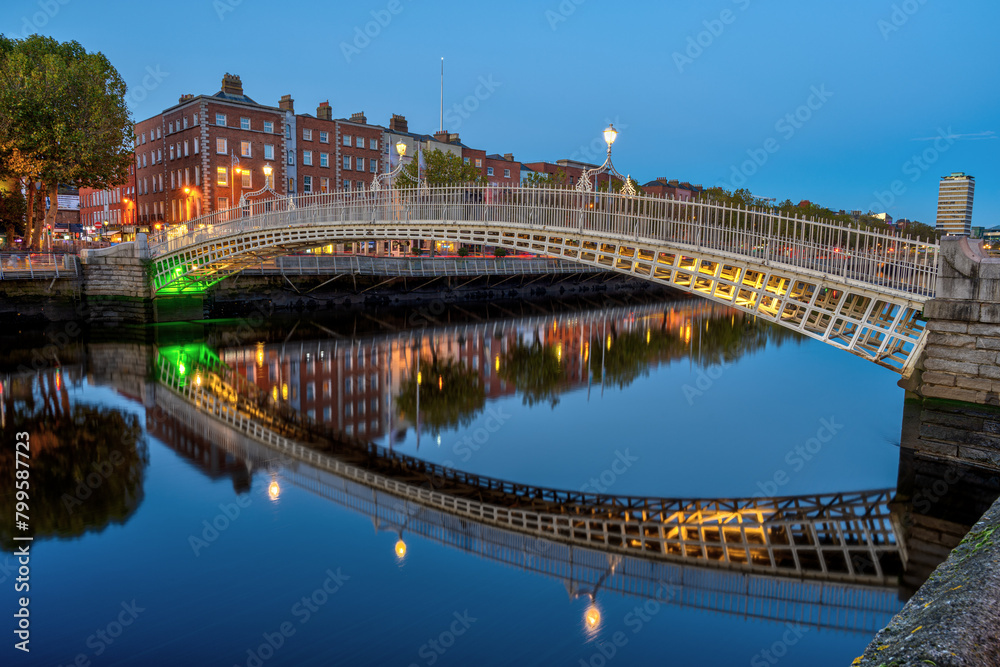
{"type": "Point", "coordinates": [835, 561]}
{"type": "Point", "coordinates": [828, 560]}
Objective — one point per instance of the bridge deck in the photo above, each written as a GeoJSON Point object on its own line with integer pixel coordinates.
{"type": "Point", "coordinates": [859, 290]}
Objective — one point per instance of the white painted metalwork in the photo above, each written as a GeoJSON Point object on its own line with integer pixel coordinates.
{"type": "Point", "coordinates": [833, 537]}
{"type": "Point", "coordinates": [859, 290]}
{"type": "Point", "coordinates": [416, 267]}
{"type": "Point", "coordinates": [16, 266]}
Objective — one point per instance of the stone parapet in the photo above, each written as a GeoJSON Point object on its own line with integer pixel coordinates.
{"type": "Point", "coordinates": [963, 341]}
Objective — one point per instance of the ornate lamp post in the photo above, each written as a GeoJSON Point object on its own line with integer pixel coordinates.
{"type": "Point", "coordinates": [391, 175]}
{"type": "Point", "coordinates": [265, 188]}
{"type": "Point", "coordinates": [584, 184]}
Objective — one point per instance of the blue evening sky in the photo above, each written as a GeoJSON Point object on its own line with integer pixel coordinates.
{"type": "Point", "coordinates": [698, 89]}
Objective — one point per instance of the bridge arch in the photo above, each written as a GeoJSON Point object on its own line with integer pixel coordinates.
{"type": "Point", "coordinates": [861, 291]}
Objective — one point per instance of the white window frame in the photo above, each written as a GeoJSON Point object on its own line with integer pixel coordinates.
{"type": "Point", "coordinates": [269, 126]}
{"type": "Point", "coordinates": [324, 137]}
{"type": "Point", "coordinates": [324, 159]}
{"type": "Point", "coordinates": [307, 158]}
{"type": "Point", "coordinates": [223, 143]}
{"type": "Point", "coordinates": [268, 151]}
{"type": "Point", "coordinates": [220, 117]}
{"type": "Point", "coordinates": [246, 149]}
{"type": "Point", "coordinates": [244, 123]}
{"type": "Point", "coordinates": [307, 134]}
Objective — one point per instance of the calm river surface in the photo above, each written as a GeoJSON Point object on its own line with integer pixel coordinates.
{"type": "Point", "coordinates": [157, 543]}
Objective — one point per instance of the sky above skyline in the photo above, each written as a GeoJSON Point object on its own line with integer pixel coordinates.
{"type": "Point", "coordinates": [858, 104]}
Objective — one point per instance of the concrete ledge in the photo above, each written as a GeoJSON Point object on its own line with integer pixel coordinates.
{"type": "Point", "coordinates": [954, 619]}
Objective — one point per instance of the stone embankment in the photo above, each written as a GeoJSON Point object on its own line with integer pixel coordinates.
{"type": "Point", "coordinates": [954, 619]}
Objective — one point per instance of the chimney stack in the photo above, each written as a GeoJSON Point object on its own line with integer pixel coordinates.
{"type": "Point", "coordinates": [509, 157]}
{"type": "Point", "coordinates": [324, 111]}
{"type": "Point", "coordinates": [398, 123]}
{"type": "Point", "coordinates": [185, 97]}
{"type": "Point", "coordinates": [442, 136]}
{"type": "Point", "coordinates": [287, 103]}
{"type": "Point", "coordinates": [231, 85]}
{"type": "Point", "coordinates": [359, 117]}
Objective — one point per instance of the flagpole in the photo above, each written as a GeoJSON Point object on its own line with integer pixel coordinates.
{"type": "Point", "coordinates": [441, 127]}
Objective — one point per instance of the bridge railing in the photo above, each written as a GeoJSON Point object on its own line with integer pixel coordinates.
{"type": "Point", "coordinates": [314, 264]}
{"type": "Point", "coordinates": [22, 266]}
{"type": "Point", "coordinates": [876, 258]}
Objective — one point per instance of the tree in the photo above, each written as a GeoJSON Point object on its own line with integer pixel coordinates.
{"type": "Point", "coordinates": [560, 179]}
{"type": "Point", "coordinates": [499, 252]}
{"type": "Point", "coordinates": [63, 119]}
{"type": "Point", "coordinates": [12, 212]}
{"type": "Point", "coordinates": [441, 169]}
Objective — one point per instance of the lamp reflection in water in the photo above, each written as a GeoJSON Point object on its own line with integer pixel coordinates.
{"type": "Point", "coordinates": [400, 548]}
{"type": "Point", "coordinates": [273, 489]}
{"type": "Point", "coordinates": [592, 619]}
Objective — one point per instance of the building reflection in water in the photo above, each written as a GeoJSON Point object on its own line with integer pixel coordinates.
{"type": "Point", "coordinates": [357, 386]}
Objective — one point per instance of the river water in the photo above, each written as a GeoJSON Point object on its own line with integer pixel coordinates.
{"type": "Point", "coordinates": [157, 541]}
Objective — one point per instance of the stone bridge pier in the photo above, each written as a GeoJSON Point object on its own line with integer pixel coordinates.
{"type": "Point", "coordinates": [958, 385]}
{"type": "Point", "coordinates": [116, 287]}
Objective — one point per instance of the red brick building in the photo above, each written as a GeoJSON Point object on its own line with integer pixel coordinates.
{"type": "Point", "coordinates": [110, 213]}
{"type": "Point", "coordinates": [674, 189]}
{"type": "Point", "coordinates": [203, 154]}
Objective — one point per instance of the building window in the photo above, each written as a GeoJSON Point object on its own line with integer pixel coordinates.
{"type": "Point", "coordinates": [359, 163]}
{"type": "Point", "coordinates": [360, 184]}
{"type": "Point", "coordinates": [195, 146]}
{"type": "Point", "coordinates": [197, 176]}
{"type": "Point", "coordinates": [291, 158]}
{"type": "Point", "coordinates": [347, 162]}
{"type": "Point", "coordinates": [247, 179]}
{"type": "Point", "coordinates": [268, 151]}
{"type": "Point", "coordinates": [223, 203]}
{"type": "Point", "coordinates": [220, 119]}
{"type": "Point", "coordinates": [372, 165]}
{"type": "Point", "coordinates": [307, 158]}
{"type": "Point", "coordinates": [143, 137]}
{"type": "Point", "coordinates": [185, 122]}
{"type": "Point", "coordinates": [159, 133]}
{"type": "Point", "coordinates": [465, 160]}
{"type": "Point", "coordinates": [347, 185]}
{"type": "Point", "coordinates": [324, 137]}
{"type": "Point", "coordinates": [244, 123]}
{"type": "Point", "coordinates": [506, 173]}
{"type": "Point", "coordinates": [324, 159]}
{"type": "Point", "coordinates": [307, 134]}
{"type": "Point", "coordinates": [479, 163]}
{"type": "Point", "coordinates": [324, 185]}
{"type": "Point", "coordinates": [348, 385]}
{"type": "Point", "coordinates": [489, 171]}
{"type": "Point", "coordinates": [307, 184]}
{"type": "Point", "coordinates": [269, 126]}
{"type": "Point", "coordinates": [221, 176]}
{"type": "Point", "coordinates": [373, 144]}
{"type": "Point", "coordinates": [221, 146]}
{"type": "Point", "coordinates": [347, 140]}
{"type": "Point", "coordinates": [245, 148]}
{"type": "Point", "coordinates": [194, 119]}
{"type": "Point", "coordinates": [170, 127]}
{"type": "Point", "coordinates": [171, 151]}
{"type": "Point", "coordinates": [185, 148]}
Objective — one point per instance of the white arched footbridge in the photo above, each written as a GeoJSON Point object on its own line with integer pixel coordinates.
{"type": "Point", "coordinates": [862, 291]}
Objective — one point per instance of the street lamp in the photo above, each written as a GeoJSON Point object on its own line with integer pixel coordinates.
{"type": "Point", "coordinates": [584, 184]}
{"type": "Point", "coordinates": [244, 196]}
{"type": "Point", "coordinates": [391, 175]}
